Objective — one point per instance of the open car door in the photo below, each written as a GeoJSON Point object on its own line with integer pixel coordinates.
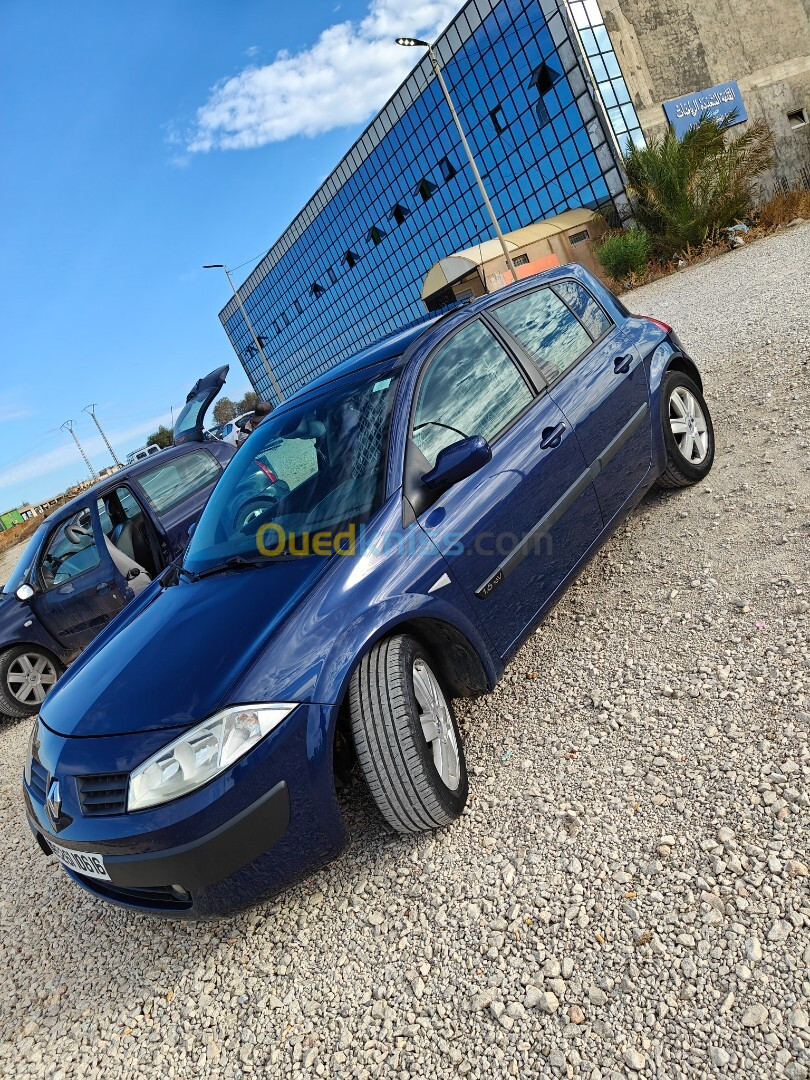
{"type": "Point", "coordinates": [189, 424]}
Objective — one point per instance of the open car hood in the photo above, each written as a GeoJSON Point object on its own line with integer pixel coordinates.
{"type": "Point", "coordinates": [188, 427]}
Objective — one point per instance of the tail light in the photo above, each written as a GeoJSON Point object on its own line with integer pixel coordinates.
{"type": "Point", "coordinates": [658, 322]}
{"type": "Point", "coordinates": [271, 476]}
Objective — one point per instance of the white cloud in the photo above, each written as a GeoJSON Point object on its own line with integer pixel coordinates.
{"type": "Point", "coordinates": [344, 78]}
{"type": "Point", "coordinates": [37, 464]}
{"type": "Point", "coordinates": [10, 410]}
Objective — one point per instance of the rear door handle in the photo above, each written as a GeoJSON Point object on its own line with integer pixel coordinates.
{"type": "Point", "coordinates": [621, 364]}
{"type": "Point", "coordinates": [102, 589]}
{"type": "Point", "coordinates": [551, 437]}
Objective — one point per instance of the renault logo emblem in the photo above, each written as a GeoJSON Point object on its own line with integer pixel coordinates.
{"type": "Point", "coordinates": [54, 801]}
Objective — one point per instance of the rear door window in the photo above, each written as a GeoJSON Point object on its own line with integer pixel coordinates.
{"type": "Point", "coordinates": [169, 484]}
{"type": "Point", "coordinates": [584, 307]}
{"type": "Point", "coordinates": [547, 329]}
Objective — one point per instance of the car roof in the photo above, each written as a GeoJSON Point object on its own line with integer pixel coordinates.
{"type": "Point", "coordinates": [134, 470]}
{"type": "Point", "coordinates": [392, 347]}
{"type": "Point", "coordinates": [389, 348]}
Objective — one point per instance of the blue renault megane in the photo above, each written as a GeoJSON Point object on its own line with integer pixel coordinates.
{"type": "Point", "coordinates": [426, 503]}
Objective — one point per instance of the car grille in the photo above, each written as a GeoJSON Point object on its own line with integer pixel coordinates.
{"type": "Point", "coordinates": [105, 794]}
{"type": "Point", "coordinates": [39, 779]}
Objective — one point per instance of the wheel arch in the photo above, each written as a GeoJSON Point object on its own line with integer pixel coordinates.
{"type": "Point", "coordinates": [461, 668]}
{"type": "Point", "coordinates": [32, 644]}
{"type": "Point", "coordinates": [682, 363]}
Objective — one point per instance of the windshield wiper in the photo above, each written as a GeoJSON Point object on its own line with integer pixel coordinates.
{"type": "Point", "coordinates": [236, 562]}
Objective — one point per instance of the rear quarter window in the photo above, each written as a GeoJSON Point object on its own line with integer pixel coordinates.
{"type": "Point", "coordinates": [583, 305]}
{"type": "Point", "coordinates": [169, 484]}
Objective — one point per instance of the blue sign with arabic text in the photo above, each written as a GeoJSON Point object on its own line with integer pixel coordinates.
{"type": "Point", "coordinates": [717, 102]}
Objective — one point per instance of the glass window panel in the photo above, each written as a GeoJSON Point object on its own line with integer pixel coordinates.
{"type": "Point", "coordinates": [550, 333]}
{"type": "Point", "coordinates": [584, 306]}
{"type": "Point", "coordinates": [70, 551]}
{"type": "Point", "coordinates": [580, 15]}
{"type": "Point", "coordinates": [169, 484]}
{"type": "Point", "coordinates": [472, 387]}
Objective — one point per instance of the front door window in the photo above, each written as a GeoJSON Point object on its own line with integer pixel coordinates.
{"type": "Point", "coordinates": [70, 552]}
{"type": "Point", "coordinates": [472, 387]}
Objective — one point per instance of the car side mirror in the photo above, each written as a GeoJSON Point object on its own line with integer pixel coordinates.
{"type": "Point", "coordinates": [191, 529]}
{"type": "Point", "coordinates": [25, 592]}
{"type": "Point", "coordinates": [458, 461]}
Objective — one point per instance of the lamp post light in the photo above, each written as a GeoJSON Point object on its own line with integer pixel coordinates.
{"type": "Point", "coordinates": [410, 42]}
{"type": "Point", "coordinates": [256, 341]}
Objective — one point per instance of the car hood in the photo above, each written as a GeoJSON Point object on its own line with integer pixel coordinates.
{"type": "Point", "coordinates": [176, 661]}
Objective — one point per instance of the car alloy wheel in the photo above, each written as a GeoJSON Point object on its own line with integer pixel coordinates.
{"type": "Point", "coordinates": [437, 724]}
{"type": "Point", "coordinates": [29, 677]}
{"type": "Point", "coordinates": [688, 425]}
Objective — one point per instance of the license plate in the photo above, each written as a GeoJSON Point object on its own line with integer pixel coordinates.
{"type": "Point", "coordinates": [82, 862]}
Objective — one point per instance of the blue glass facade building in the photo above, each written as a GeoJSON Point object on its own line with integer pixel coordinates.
{"type": "Point", "coordinates": [544, 105]}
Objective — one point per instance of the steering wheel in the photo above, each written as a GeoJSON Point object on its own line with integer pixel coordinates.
{"type": "Point", "coordinates": [76, 534]}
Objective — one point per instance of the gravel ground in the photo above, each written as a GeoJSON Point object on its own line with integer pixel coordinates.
{"type": "Point", "coordinates": [8, 560]}
{"type": "Point", "coordinates": [627, 894]}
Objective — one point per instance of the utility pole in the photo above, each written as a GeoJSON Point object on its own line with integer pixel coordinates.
{"type": "Point", "coordinates": [91, 410]}
{"type": "Point", "coordinates": [68, 426]}
{"type": "Point", "coordinates": [249, 324]}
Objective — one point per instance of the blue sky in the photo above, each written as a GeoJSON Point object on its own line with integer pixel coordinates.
{"type": "Point", "coordinates": [141, 140]}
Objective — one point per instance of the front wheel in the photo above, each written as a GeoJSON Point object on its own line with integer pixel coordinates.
{"type": "Point", "coordinates": [688, 431]}
{"type": "Point", "coordinates": [406, 736]}
{"type": "Point", "coordinates": [27, 673]}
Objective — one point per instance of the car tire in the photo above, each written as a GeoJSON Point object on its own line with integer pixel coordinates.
{"type": "Point", "coordinates": [396, 702]}
{"type": "Point", "coordinates": [688, 432]}
{"type": "Point", "coordinates": [14, 665]}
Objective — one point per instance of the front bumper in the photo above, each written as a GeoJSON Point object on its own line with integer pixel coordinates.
{"type": "Point", "coordinates": [269, 820]}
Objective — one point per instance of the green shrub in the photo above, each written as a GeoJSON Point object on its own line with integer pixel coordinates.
{"type": "Point", "coordinates": [684, 191]}
{"type": "Point", "coordinates": [625, 252]}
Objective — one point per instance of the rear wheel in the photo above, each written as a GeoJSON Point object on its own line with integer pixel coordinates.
{"type": "Point", "coordinates": [688, 431]}
{"type": "Point", "coordinates": [406, 736]}
{"type": "Point", "coordinates": [27, 673]}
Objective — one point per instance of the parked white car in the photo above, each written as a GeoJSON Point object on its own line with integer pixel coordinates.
{"type": "Point", "coordinates": [232, 432]}
{"type": "Point", "coordinates": [142, 452]}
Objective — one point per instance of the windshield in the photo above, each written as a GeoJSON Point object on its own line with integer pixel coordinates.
{"type": "Point", "coordinates": [20, 572]}
{"type": "Point", "coordinates": [303, 481]}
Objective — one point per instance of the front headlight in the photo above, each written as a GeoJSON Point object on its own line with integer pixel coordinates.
{"type": "Point", "coordinates": [202, 753]}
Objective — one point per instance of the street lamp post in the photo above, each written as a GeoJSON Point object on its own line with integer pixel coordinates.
{"type": "Point", "coordinates": [435, 62]}
{"type": "Point", "coordinates": [257, 343]}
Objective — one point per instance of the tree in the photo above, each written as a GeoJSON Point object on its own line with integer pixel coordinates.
{"type": "Point", "coordinates": [224, 410]}
{"type": "Point", "coordinates": [163, 437]}
{"type": "Point", "coordinates": [247, 404]}
{"type": "Point", "coordinates": [685, 191]}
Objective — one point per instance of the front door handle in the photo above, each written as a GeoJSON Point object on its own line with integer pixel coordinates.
{"type": "Point", "coordinates": [102, 589]}
{"type": "Point", "coordinates": [621, 364]}
{"type": "Point", "coordinates": [551, 437]}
